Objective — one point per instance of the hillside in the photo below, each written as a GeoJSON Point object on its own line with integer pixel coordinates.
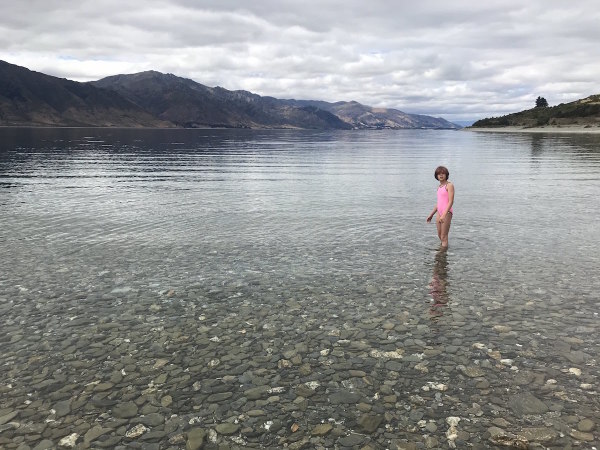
{"type": "Point", "coordinates": [154, 99]}
{"type": "Point", "coordinates": [365, 117]}
{"type": "Point", "coordinates": [30, 98]}
{"type": "Point", "coordinates": [187, 103]}
{"type": "Point", "coordinates": [584, 112]}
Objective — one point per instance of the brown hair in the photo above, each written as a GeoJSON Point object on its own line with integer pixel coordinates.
{"type": "Point", "coordinates": [441, 169]}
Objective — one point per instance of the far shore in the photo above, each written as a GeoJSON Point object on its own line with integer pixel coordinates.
{"type": "Point", "coordinates": [583, 129]}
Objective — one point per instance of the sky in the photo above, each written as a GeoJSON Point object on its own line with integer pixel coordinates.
{"type": "Point", "coordinates": [460, 60]}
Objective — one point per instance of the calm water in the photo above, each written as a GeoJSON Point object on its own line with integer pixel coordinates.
{"type": "Point", "coordinates": [144, 244]}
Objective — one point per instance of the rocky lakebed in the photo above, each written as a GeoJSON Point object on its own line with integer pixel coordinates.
{"type": "Point", "coordinates": [249, 366]}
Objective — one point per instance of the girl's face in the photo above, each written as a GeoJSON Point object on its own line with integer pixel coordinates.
{"type": "Point", "coordinates": [441, 177]}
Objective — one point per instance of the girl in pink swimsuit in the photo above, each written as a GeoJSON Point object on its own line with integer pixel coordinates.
{"type": "Point", "coordinates": [445, 200]}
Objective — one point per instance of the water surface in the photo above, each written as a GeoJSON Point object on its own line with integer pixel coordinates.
{"type": "Point", "coordinates": [168, 266]}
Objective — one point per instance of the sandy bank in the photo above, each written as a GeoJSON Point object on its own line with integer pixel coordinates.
{"type": "Point", "coordinates": [545, 129]}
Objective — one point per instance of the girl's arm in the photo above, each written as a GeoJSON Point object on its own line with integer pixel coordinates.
{"type": "Point", "coordinates": [450, 188]}
{"type": "Point", "coordinates": [432, 213]}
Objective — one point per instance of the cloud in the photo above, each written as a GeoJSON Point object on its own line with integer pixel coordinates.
{"type": "Point", "coordinates": [460, 60]}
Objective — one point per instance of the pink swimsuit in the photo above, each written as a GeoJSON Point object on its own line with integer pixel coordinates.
{"type": "Point", "coordinates": [442, 203]}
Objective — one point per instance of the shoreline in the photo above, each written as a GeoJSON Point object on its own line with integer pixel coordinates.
{"type": "Point", "coordinates": [576, 129]}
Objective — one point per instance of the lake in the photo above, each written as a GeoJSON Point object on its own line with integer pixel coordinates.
{"type": "Point", "coordinates": [281, 288]}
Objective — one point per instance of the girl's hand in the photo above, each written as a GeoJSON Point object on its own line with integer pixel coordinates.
{"type": "Point", "coordinates": [441, 219]}
{"type": "Point", "coordinates": [429, 219]}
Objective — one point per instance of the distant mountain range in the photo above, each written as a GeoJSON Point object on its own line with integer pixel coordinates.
{"type": "Point", "coordinates": [154, 99]}
{"type": "Point", "coordinates": [584, 112]}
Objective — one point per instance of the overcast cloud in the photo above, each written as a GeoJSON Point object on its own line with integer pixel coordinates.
{"type": "Point", "coordinates": [460, 60]}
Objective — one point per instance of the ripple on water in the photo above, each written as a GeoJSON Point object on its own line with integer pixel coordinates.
{"type": "Point", "coordinates": [158, 286]}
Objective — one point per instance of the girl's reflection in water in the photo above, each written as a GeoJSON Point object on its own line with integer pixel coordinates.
{"type": "Point", "coordinates": [439, 284]}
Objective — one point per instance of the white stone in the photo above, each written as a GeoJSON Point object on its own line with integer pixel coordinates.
{"type": "Point", "coordinates": [422, 367]}
{"type": "Point", "coordinates": [436, 386]}
{"type": "Point", "coordinates": [312, 385]}
{"type": "Point", "coordinates": [575, 371]}
{"type": "Point", "coordinates": [69, 441]}
{"type": "Point", "coordinates": [397, 354]}
{"type": "Point", "coordinates": [136, 431]}
{"type": "Point", "coordinates": [452, 432]}
{"type": "Point", "coordinates": [452, 421]}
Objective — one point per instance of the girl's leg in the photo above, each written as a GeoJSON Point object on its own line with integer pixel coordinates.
{"type": "Point", "coordinates": [439, 227]}
{"type": "Point", "coordinates": [445, 229]}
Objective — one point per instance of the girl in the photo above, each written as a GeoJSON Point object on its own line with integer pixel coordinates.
{"type": "Point", "coordinates": [445, 200]}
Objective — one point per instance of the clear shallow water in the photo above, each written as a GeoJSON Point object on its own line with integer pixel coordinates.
{"type": "Point", "coordinates": [123, 247]}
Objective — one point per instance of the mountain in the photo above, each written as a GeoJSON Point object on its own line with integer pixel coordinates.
{"type": "Point", "coordinates": [363, 117]}
{"type": "Point", "coordinates": [154, 99]}
{"type": "Point", "coordinates": [30, 98]}
{"type": "Point", "coordinates": [584, 112]}
{"type": "Point", "coordinates": [190, 104]}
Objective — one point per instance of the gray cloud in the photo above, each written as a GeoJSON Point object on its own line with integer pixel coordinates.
{"type": "Point", "coordinates": [459, 60]}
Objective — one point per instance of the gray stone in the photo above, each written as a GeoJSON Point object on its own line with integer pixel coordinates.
{"type": "Point", "coordinates": [62, 408]}
{"type": "Point", "coordinates": [321, 429]}
{"type": "Point", "coordinates": [227, 429]}
{"type": "Point", "coordinates": [305, 391]}
{"type": "Point", "coordinates": [94, 433]}
{"type": "Point", "coordinates": [501, 422]}
{"type": "Point", "coordinates": [472, 371]}
{"type": "Point", "coordinates": [9, 426]}
{"type": "Point", "coordinates": [586, 425]}
{"type": "Point", "coordinates": [526, 403]}
{"type": "Point", "coordinates": [219, 397]}
{"type": "Point", "coordinates": [353, 440]}
{"type": "Point", "coordinates": [538, 434]}
{"type": "Point", "coordinates": [580, 436]}
{"type": "Point", "coordinates": [394, 366]}
{"type": "Point", "coordinates": [344, 397]}
{"type": "Point", "coordinates": [125, 410]}
{"type": "Point", "coordinates": [431, 442]}
{"type": "Point", "coordinates": [44, 445]}
{"type": "Point", "coordinates": [576, 357]}
{"type": "Point", "coordinates": [257, 392]}
{"type": "Point", "coordinates": [195, 439]}
{"type": "Point", "coordinates": [7, 417]}
{"type": "Point", "coordinates": [370, 424]}
{"type": "Point", "coordinates": [101, 387]}
{"type": "Point", "coordinates": [152, 420]}
{"type": "Point", "coordinates": [431, 427]}
{"type": "Point", "coordinates": [397, 444]}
